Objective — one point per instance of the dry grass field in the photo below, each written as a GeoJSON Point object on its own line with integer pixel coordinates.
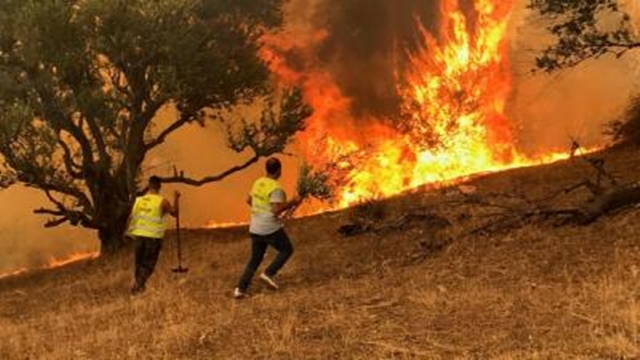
{"type": "Point", "coordinates": [418, 290]}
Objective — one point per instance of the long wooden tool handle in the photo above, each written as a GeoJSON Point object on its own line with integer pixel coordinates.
{"type": "Point", "coordinates": [179, 243]}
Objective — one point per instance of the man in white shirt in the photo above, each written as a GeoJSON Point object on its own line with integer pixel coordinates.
{"type": "Point", "coordinates": [268, 202]}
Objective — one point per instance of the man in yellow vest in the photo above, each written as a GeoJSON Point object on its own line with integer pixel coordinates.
{"type": "Point", "coordinates": [147, 227]}
{"type": "Point", "coordinates": [268, 202]}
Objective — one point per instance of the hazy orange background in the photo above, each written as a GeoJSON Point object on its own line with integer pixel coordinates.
{"type": "Point", "coordinates": [548, 111]}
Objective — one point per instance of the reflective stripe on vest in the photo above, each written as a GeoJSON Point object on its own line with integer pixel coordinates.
{"type": "Point", "coordinates": [147, 217]}
{"type": "Point", "coordinates": [261, 193]}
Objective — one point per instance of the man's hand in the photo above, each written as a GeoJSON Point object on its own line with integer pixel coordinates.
{"type": "Point", "coordinates": [175, 209]}
{"type": "Point", "coordinates": [292, 205]}
{"type": "Point", "coordinates": [296, 201]}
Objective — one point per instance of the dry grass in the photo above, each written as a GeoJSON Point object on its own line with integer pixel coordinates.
{"type": "Point", "coordinates": [535, 292]}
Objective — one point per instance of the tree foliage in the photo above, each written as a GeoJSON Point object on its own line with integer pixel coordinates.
{"type": "Point", "coordinates": [584, 29]}
{"type": "Point", "coordinates": [81, 82]}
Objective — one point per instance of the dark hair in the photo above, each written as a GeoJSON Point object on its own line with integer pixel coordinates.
{"type": "Point", "coordinates": [273, 166]}
{"type": "Point", "coordinates": [155, 183]}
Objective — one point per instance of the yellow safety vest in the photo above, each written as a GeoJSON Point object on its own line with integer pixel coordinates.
{"type": "Point", "coordinates": [260, 195]}
{"type": "Point", "coordinates": [147, 217]}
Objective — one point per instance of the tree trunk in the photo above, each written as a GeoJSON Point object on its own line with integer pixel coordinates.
{"type": "Point", "coordinates": [112, 205]}
{"type": "Point", "coordinates": [111, 233]}
{"type": "Point", "coordinates": [612, 199]}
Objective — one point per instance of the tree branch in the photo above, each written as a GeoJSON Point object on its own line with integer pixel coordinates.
{"type": "Point", "coordinates": [183, 120]}
{"type": "Point", "coordinates": [56, 222]}
{"type": "Point", "coordinates": [52, 222]}
{"type": "Point", "coordinates": [631, 45]}
{"type": "Point", "coordinates": [181, 179]}
{"type": "Point", "coordinates": [73, 169]}
{"type": "Point", "coordinates": [67, 190]}
{"type": "Point", "coordinates": [65, 214]}
{"type": "Point", "coordinates": [98, 138]}
{"type": "Point", "coordinates": [57, 203]}
{"type": "Point", "coordinates": [56, 117]}
{"type": "Point", "coordinates": [61, 212]}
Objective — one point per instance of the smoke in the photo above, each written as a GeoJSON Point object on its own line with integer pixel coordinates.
{"type": "Point", "coordinates": [551, 110]}
{"type": "Point", "coordinates": [367, 45]}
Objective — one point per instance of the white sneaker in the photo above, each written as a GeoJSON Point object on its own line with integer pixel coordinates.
{"type": "Point", "coordinates": [269, 281]}
{"type": "Point", "coordinates": [238, 294]}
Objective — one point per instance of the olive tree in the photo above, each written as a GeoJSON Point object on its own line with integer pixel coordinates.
{"type": "Point", "coordinates": [82, 82]}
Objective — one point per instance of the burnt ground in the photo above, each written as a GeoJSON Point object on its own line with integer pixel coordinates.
{"type": "Point", "coordinates": [414, 280]}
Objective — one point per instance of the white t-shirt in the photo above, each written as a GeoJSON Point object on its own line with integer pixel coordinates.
{"type": "Point", "coordinates": [267, 223]}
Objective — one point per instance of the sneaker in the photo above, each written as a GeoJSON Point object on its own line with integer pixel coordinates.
{"type": "Point", "coordinates": [269, 281]}
{"type": "Point", "coordinates": [238, 294]}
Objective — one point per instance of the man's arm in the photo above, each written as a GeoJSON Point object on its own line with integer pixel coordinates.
{"type": "Point", "coordinates": [278, 208]}
{"type": "Point", "coordinates": [168, 208]}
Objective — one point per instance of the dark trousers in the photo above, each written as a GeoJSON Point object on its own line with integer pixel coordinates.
{"type": "Point", "coordinates": [259, 243]}
{"type": "Point", "coordinates": [146, 257]}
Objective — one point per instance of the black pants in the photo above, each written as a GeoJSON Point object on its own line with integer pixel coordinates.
{"type": "Point", "coordinates": [146, 257]}
{"type": "Point", "coordinates": [259, 243]}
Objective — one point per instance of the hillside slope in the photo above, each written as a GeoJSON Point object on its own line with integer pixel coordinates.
{"type": "Point", "coordinates": [416, 288]}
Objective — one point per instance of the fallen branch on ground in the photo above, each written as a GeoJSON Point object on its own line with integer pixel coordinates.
{"type": "Point", "coordinates": [359, 226]}
{"type": "Point", "coordinates": [604, 200]}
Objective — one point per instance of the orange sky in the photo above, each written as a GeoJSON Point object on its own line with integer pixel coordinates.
{"type": "Point", "coordinates": [548, 109]}
{"type": "Point", "coordinates": [575, 102]}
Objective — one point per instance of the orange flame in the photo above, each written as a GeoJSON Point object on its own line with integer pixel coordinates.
{"type": "Point", "coordinates": [69, 259]}
{"type": "Point", "coordinates": [454, 94]}
{"type": "Point", "coordinates": [212, 224]}
{"type": "Point", "coordinates": [55, 263]}
{"type": "Point", "coordinates": [13, 273]}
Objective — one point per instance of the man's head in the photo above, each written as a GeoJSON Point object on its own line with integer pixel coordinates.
{"type": "Point", "coordinates": [274, 168]}
{"type": "Point", "coordinates": [154, 183]}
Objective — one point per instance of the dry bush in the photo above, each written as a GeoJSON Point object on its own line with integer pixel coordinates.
{"type": "Point", "coordinates": [314, 183]}
{"type": "Point", "coordinates": [627, 129]}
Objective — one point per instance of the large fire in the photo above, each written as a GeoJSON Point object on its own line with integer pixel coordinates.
{"type": "Point", "coordinates": [452, 123]}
